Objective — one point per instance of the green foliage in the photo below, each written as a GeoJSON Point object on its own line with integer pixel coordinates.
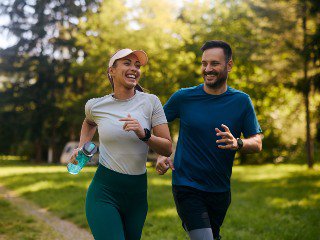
{"type": "Point", "coordinates": [38, 66]}
{"type": "Point", "coordinates": [45, 88]}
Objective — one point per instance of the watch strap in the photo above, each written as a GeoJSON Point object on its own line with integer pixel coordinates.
{"type": "Point", "coordinates": [240, 143]}
{"type": "Point", "coordinates": [147, 135]}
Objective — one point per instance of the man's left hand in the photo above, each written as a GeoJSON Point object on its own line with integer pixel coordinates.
{"type": "Point", "coordinates": [227, 138]}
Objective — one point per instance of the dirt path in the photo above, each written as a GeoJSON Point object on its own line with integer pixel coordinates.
{"type": "Point", "coordinates": [66, 229]}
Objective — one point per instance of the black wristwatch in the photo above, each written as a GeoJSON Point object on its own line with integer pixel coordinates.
{"type": "Point", "coordinates": [147, 135]}
{"type": "Point", "coordinates": [240, 143]}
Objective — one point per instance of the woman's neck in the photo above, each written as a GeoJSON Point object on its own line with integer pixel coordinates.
{"type": "Point", "coordinates": [123, 93]}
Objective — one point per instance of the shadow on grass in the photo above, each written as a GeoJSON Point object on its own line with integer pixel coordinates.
{"type": "Point", "coordinates": [64, 195]}
{"type": "Point", "coordinates": [14, 163]}
{"type": "Point", "coordinates": [59, 193]}
{"type": "Point", "coordinates": [285, 208]}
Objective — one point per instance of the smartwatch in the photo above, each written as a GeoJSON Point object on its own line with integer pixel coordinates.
{"type": "Point", "coordinates": [240, 143]}
{"type": "Point", "coordinates": [147, 135]}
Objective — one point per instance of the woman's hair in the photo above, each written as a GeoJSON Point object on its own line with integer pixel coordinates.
{"type": "Point", "coordinates": [137, 87]}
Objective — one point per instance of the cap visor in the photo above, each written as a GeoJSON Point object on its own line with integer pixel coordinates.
{"type": "Point", "coordinates": [142, 56]}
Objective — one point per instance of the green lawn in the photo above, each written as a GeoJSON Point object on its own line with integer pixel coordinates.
{"type": "Point", "coordinates": [268, 202]}
{"type": "Point", "coordinates": [15, 225]}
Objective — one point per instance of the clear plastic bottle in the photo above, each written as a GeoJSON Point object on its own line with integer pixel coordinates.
{"type": "Point", "coordinates": [84, 155]}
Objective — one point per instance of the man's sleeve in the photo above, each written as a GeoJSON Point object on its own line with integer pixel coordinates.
{"type": "Point", "coordinates": [172, 107]}
{"type": "Point", "coordinates": [250, 124]}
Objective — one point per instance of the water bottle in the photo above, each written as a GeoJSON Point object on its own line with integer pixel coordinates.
{"type": "Point", "coordinates": [84, 155]}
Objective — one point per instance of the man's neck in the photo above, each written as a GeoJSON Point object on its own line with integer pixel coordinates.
{"type": "Point", "coordinates": [215, 91]}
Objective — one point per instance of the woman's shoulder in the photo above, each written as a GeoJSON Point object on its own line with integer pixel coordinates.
{"type": "Point", "coordinates": [148, 95]}
{"type": "Point", "coordinates": [93, 101]}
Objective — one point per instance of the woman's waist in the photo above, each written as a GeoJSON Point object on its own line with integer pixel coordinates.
{"type": "Point", "coordinates": [121, 182]}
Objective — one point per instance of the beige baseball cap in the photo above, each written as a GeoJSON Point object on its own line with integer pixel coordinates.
{"type": "Point", "coordinates": [141, 55]}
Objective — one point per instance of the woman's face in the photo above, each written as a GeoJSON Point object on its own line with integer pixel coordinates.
{"type": "Point", "coordinates": [126, 72]}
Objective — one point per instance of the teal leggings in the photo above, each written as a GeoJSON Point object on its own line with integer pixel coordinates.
{"type": "Point", "coordinates": [116, 205]}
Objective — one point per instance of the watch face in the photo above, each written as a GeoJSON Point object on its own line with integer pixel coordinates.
{"type": "Point", "coordinates": [147, 135]}
{"type": "Point", "coordinates": [240, 143]}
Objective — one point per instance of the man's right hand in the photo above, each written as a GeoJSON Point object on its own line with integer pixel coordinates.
{"type": "Point", "coordinates": [74, 155]}
{"type": "Point", "coordinates": [163, 164]}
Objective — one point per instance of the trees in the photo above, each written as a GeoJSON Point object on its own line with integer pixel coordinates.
{"type": "Point", "coordinates": [310, 14]}
{"type": "Point", "coordinates": [294, 29]}
{"type": "Point", "coordinates": [38, 66]}
{"type": "Point", "coordinates": [61, 58]}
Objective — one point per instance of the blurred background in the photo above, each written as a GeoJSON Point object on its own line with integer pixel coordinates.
{"type": "Point", "coordinates": [54, 55]}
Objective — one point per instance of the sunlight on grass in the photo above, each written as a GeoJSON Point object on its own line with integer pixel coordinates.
{"type": "Point", "coordinates": [169, 212]}
{"type": "Point", "coordinates": [311, 201]}
{"type": "Point", "coordinates": [88, 169]}
{"type": "Point", "coordinates": [160, 182]}
{"type": "Point", "coordinates": [36, 187]}
{"type": "Point", "coordinates": [13, 158]}
{"type": "Point", "coordinates": [44, 185]}
{"type": "Point", "coordinates": [271, 197]}
{"type": "Point", "coordinates": [7, 171]}
{"type": "Point", "coordinates": [270, 172]}
{"type": "Point", "coordinates": [16, 225]}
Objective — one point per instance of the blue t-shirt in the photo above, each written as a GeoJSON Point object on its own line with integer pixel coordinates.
{"type": "Point", "coordinates": [198, 162]}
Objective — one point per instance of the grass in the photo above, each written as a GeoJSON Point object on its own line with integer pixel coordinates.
{"type": "Point", "coordinates": [15, 225]}
{"type": "Point", "coordinates": [268, 202]}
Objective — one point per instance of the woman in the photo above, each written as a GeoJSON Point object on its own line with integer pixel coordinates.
{"type": "Point", "coordinates": [116, 203]}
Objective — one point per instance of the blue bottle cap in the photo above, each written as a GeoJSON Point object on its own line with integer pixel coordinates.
{"type": "Point", "coordinates": [89, 148]}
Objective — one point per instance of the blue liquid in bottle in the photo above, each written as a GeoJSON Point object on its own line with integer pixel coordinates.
{"type": "Point", "coordinates": [84, 155]}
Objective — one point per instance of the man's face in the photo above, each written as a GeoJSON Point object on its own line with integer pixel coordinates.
{"type": "Point", "coordinates": [214, 67]}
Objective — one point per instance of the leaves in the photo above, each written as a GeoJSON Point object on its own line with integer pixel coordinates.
{"type": "Point", "coordinates": [61, 58]}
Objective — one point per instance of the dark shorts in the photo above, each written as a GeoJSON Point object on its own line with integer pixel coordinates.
{"type": "Point", "coordinates": [198, 209]}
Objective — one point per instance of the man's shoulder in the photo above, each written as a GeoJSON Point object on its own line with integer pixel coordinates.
{"type": "Point", "coordinates": [188, 90]}
{"type": "Point", "coordinates": [238, 93]}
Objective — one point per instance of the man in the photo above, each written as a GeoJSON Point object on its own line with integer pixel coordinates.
{"type": "Point", "coordinates": [212, 118]}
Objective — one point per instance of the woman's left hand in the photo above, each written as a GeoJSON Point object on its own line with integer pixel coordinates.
{"type": "Point", "coordinates": [132, 124]}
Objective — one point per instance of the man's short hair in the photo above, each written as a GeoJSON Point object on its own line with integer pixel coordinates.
{"type": "Point", "coordinates": [219, 44]}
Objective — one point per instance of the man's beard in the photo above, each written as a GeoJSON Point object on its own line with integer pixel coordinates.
{"type": "Point", "coordinates": [218, 83]}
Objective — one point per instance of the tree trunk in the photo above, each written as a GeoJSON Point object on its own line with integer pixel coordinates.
{"type": "Point", "coordinates": [38, 150]}
{"type": "Point", "coordinates": [309, 143]}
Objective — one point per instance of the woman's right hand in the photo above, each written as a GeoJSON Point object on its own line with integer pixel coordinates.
{"type": "Point", "coordinates": [74, 155]}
